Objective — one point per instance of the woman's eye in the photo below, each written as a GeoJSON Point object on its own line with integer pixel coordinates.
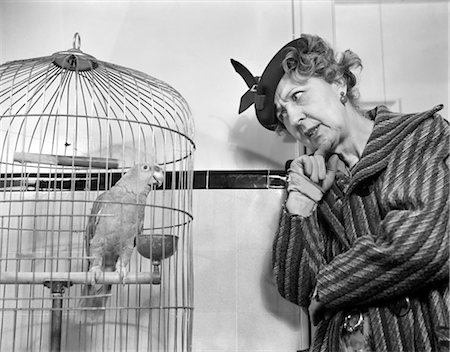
{"type": "Point", "coordinates": [296, 96]}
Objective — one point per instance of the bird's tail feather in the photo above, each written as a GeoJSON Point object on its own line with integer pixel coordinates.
{"type": "Point", "coordinates": [94, 300]}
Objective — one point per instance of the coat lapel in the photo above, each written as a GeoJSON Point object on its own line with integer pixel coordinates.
{"type": "Point", "coordinates": [390, 129]}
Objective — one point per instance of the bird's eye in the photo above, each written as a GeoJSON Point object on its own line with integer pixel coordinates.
{"type": "Point", "coordinates": [145, 167]}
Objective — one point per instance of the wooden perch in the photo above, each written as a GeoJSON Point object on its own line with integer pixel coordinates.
{"type": "Point", "coordinates": [79, 161]}
{"type": "Point", "coordinates": [36, 278]}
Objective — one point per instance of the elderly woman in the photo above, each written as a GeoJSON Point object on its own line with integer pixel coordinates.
{"type": "Point", "coordinates": [362, 238]}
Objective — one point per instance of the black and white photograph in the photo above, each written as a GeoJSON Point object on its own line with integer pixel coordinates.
{"type": "Point", "coordinates": [224, 176]}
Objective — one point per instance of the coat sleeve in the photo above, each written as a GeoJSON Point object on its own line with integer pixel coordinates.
{"type": "Point", "coordinates": [297, 256]}
{"type": "Point", "coordinates": [411, 251]}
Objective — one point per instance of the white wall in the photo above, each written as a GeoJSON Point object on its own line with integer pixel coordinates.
{"type": "Point", "coordinates": [237, 307]}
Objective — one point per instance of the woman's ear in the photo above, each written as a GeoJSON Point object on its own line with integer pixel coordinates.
{"type": "Point", "coordinates": [340, 86]}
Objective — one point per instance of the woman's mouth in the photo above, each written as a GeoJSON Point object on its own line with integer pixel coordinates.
{"type": "Point", "coordinates": [312, 131]}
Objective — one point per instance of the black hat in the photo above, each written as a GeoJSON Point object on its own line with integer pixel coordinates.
{"type": "Point", "coordinates": [262, 89]}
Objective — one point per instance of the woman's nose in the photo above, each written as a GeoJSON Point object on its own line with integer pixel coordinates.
{"type": "Point", "coordinates": [295, 115]}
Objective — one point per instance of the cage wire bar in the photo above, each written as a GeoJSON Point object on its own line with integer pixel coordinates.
{"type": "Point", "coordinates": [70, 127]}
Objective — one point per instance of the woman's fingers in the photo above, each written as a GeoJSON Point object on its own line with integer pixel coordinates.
{"type": "Point", "coordinates": [321, 167]}
{"type": "Point", "coordinates": [307, 166]}
{"type": "Point", "coordinates": [302, 184]}
{"type": "Point", "coordinates": [312, 176]}
{"type": "Point", "coordinates": [331, 172]}
{"type": "Point", "coordinates": [311, 166]}
{"type": "Point", "coordinates": [324, 149]}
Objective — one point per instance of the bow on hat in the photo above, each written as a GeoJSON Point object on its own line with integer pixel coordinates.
{"type": "Point", "coordinates": [252, 82]}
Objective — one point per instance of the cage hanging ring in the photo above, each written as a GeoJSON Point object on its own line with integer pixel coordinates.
{"type": "Point", "coordinates": [76, 41]}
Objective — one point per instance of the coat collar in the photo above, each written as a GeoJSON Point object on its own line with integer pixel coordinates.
{"type": "Point", "coordinates": [389, 130]}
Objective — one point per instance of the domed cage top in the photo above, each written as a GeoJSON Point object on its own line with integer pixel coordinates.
{"type": "Point", "coordinates": [71, 127]}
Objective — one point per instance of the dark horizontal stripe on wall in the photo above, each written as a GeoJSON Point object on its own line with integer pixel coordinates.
{"type": "Point", "coordinates": [239, 179]}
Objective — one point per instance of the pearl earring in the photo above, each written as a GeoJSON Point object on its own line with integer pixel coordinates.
{"type": "Point", "coordinates": [343, 98]}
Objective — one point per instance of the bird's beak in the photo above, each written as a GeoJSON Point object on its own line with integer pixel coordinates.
{"type": "Point", "coordinates": [158, 175]}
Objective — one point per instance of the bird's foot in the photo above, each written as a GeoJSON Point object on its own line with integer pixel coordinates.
{"type": "Point", "coordinates": [122, 271]}
{"type": "Point", "coordinates": [97, 272]}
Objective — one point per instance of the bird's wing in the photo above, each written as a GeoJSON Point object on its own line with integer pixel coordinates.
{"type": "Point", "coordinates": [97, 209]}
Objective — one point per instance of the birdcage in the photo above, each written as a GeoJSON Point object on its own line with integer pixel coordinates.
{"type": "Point", "coordinates": [71, 127]}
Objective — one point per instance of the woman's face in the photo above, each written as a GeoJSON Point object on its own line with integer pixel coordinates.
{"type": "Point", "coordinates": [311, 111]}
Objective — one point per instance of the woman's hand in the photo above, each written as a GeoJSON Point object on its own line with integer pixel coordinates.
{"type": "Point", "coordinates": [309, 177]}
{"type": "Point", "coordinates": [312, 170]}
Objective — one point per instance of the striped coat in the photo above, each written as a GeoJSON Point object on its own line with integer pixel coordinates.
{"type": "Point", "coordinates": [379, 235]}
